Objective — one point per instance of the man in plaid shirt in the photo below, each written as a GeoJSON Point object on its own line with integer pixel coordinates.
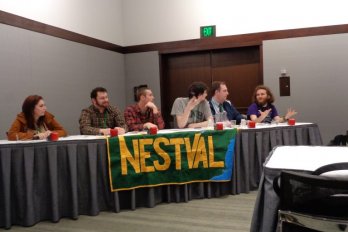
{"type": "Point", "coordinates": [144, 114]}
{"type": "Point", "coordinates": [100, 117]}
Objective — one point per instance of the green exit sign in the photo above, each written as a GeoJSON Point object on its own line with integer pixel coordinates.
{"type": "Point", "coordinates": [208, 31]}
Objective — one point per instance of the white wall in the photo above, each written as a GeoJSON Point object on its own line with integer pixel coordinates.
{"type": "Point", "coordinates": [132, 22]}
{"type": "Point", "coordinates": [142, 68]}
{"type": "Point", "coordinates": [319, 82]}
{"type": "Point", "coordinates": [154, 21]}
{"type": "Point", "coordinates": [98, 19]}
{"type": "Point", "coordinates": [61, 71]}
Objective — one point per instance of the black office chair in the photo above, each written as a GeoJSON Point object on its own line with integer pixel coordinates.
{"type": "Point", "coordinates": [339, 140]}
{"type": "Point", "coordinates": [310, 202]}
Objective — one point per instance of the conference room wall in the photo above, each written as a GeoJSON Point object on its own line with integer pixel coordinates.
{"type": "Point", "coordinates": [100, 20]}
{"type": "Point", "coordinates": [154, 21]}
{"type": "Point", "coordinates": [134, 22]}
{"type": "Point", "coordinates": [317, 67]}
{"type": "Point", "coordinates": [142, 68]}
{"type": "Point", "coordinates": [63, 72]}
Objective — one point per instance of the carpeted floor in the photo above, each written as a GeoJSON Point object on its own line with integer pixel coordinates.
{"type": "Point", "coordinates": [229, 213]}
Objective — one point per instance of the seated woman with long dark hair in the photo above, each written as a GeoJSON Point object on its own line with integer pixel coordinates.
{"type": "Point", "coordinates": [34, 122]}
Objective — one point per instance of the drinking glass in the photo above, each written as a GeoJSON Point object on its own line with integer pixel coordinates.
{"type": "Point", "coordinates": [233, 123]}
{"type": "Point", "coordinates": [243, 123]}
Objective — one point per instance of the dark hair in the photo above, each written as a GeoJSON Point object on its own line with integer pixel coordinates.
{"type": "Point", "coordinates": [95, 91]}
{"type": "Point", "coordinates": [216, 85]}
{"type": "Point", "coordinates": [196, 89]}
{"type": "Point", "coordinates": [28, 109]}
{"type": "Point", "coordinates": [141, 92]}
{"type": "Point", "coordinates": [268, 91]}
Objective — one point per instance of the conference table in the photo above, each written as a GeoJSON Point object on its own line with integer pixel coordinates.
{"type": "Point", "coordinates": [304, 159]}
{"type": "Point", "coordinates": [44, 180]}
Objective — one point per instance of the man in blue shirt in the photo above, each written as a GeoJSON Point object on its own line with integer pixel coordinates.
{"type": "Point", "coordinates": [219, 103]}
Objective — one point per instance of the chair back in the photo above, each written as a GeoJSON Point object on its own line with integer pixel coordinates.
{"type": "Point", "coordinates": [313, 202]}
{"type": "Point", "coordinates": [339, 140]}
{"type": "Point", "coordinates": [314, 195]}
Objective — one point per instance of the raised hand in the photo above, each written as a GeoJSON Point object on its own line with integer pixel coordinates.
{"type": "Point", "coordinates": [152, 106]}
{"type": "Point", "coordinates": [193, 102]}
{"type": "Point", "coordinates": [291, 112]}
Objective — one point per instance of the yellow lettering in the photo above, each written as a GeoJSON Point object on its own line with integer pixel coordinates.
{"type": "Point", "coordinates": [162, 153]}
{"type": "Point", "coordinates": [127, 156]}
{"type": "Point", "coordinates": [177, 142]}
{"type": "Point", "coordinates": [145, 155]}
{"type": "Point", "coordinates": [212, 163]}
{"type": "Point", "coordinates": [191, 152]}
{"type": "Point", "coordinates": [201, 154]}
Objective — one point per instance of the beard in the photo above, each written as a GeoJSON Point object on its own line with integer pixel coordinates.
{"type": "Point", "coordinates": [262, 102]}
{"type": "Point", "coordinates": [103, 104]}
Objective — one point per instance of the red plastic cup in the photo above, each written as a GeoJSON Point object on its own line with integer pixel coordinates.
{"type": "Point", "coordinates": [251, 124]}
{"type": "Point", "coordinates": [113, 132]}
{"type": "Point", "coordinates": [153, 130]}
{"type": "Point", "coordinates": [291, 122]}
{"type": "Point", "coordinates": [54, 136]}
{"type": "Point", "coordinates": [219, 126]}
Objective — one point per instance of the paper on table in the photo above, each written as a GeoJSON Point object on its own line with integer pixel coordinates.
{"type": "Point", "coordinates": [21, 141]}
{"type": "Point", "coordinates": [284, 124]}
{"type": "Point", "coordinates": [71, 137]}
{"type": "Point", "coordinates": [135, 133]}
{"type": "Point", "coordinates": [81, 137]}
{"type": "Point", "coordinates": [167, 131]}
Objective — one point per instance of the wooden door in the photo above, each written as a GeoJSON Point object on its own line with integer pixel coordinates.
{"type": "Point", "coordinates": [240, 68]}
{"type": "Point", "coordinates": [178, 72]}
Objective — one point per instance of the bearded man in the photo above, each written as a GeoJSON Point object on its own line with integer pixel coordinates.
{"type": "Point", "coordinates": [100, 117]}
{"type": "Point", "coordinates": [262, 110]}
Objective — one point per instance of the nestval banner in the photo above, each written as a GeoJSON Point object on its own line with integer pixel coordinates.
{"type": "Point", "coordinates": [174, 158]}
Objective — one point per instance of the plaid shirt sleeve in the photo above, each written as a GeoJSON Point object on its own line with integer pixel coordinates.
{"type": "Point", "coordinates": [158, 120]}
{"type": "Point", "coordinates": [86, 122]}
{"type": "Point", "coordinates": [133, 121]}
{"type": "Point", "coordinates": [118, 118]}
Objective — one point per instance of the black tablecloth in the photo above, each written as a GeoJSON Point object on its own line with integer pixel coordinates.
{"type": "Point", "coordinates": [51, 180]}
{"type": "Point", "coordinates": [265, 216]}
{"type": "Point", "coordinates": [254, 145]}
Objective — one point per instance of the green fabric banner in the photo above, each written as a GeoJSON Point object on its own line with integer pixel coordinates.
{"type": "Point", "coordinates": [174, 158]}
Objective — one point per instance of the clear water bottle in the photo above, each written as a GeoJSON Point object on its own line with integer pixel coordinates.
{"type": "Point", "coordinates": [243, 123]}
{"type": "Point", "coordinates": [210, 123]}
